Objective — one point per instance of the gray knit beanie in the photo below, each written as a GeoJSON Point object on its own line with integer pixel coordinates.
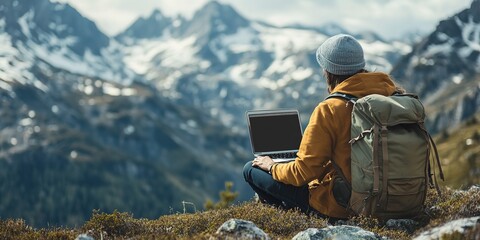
{"type": "Point", "coordinates": [341, 55]}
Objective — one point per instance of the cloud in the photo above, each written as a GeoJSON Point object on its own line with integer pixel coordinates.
{"type": "Point", "coordinates": [389, 18]}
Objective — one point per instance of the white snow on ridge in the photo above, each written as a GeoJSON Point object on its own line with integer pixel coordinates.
{"type": "Point", "coordinates": [375, 54]}
{"type": "Point", "coordinates": [301, 73]}
{"type": "Point", "coordinates": [2, 25]}
{"type": "Point", "coordinates": [103, 66]}
{"type": "Point", "coordinates": [283, 41]}
{"type": "Point", "coordinates": [174, 53]}
{"type": "Point", "coordinates": [470, 33]}
{"type": "Point", "coordinates": [57, 52]}
{"type": "Point", "coordinates": [12, 68]}
{"type": "Point", "coordinates": [24, 21]}
{"type": "Point", "coordinates": [444, 48]}
{"type": "Point", "coordinates": [457, 79]}
{"type": "Point", "coordinates": [374, 48]}
{"type": "Point", "coordinates": [244, 40]}
{"type": "Point", "coordinates": [243, 74]}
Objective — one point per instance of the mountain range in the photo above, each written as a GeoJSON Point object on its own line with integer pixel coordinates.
{"type": "Point", "coordinates": [154, 116]}
{"type": "Point", "coordinates": [444, 69]}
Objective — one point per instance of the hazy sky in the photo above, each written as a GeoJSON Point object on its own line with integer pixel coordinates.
{"type": "Point", "coordinates": [389, 18]}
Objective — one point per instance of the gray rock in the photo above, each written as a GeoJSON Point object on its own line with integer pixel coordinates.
{"type": "Point", "coordinates": [240, 229]}
{"type": "Point", "coordinates": [344, 232]}
{"type": "Point", "coordinates": [461, 226]}
{"type": "Point", "coordinates": [84, 237]}
{"type": "Point", "coordinates": [406, 225]}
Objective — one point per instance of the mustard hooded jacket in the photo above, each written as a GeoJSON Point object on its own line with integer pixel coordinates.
{"type": "Point", "coordinates": [326, 137]}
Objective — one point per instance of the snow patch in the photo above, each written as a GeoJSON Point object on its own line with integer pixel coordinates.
{"type": "Point", "coordinates": [470, 33]}
{"type": "Point", "coordinates": [243, 73]}
{"type": "Point", "coordinates": [301, 73]}
{"type": "Point", "coordinates": [442, 36]}
{"type": "Point", "coordinates": [5, 86]}
{"type": "Point", "coordinates": [244, 40]}
{"type": "Point", "coordinates": [57, 28]}
{"type": "Point", "coordinates": [464, 52]}
{"type": "Point", "coordinates": [219, 51]}
{"type": "Point", "coordinates": [112, 90]}
{"type": "Point", "coordinates": [444, 48]}
{"type": "Point", "coordinates": [285, 41]}
{"type": "Point", "coordinates": [59, 6]}
{"type": "Point", "coordinates": [24, 21]}
{"type": "Point", "coordinates": [376, 47]}
{"type": "Point", "coordinates": [14, 67]}
{"type": "Point", "coordinates": [457, 79]}
{"type": "Point", "coordinates": [2, 24]}
{"type": "Point", "coordinates": [220, 26]}
{"type": "Point", "coordinates": [175, 53]}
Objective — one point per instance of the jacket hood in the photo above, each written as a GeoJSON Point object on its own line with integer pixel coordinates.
{"type": "Point", "coordinates": [363, 84]}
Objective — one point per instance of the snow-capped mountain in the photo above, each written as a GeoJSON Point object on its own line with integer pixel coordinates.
{"type": "Point", "coordinates": [223, 62]}
{"type": "Point", "coordinates": [444, 69]}
{"type": "Point", "coordinates": [57, 35]}
{"type": "Point", "coordinates": [152, 27]}
{"type": "Point", "coordinates": [78, 135]}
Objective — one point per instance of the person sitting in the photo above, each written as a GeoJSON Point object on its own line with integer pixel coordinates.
{"type": "Point", "coordinates": [307, 182]}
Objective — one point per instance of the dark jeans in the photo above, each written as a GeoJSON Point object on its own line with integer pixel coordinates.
{"type": "Point", "coordinates": [277, 193]}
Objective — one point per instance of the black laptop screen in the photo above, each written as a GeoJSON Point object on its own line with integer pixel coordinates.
{"type": "Point", "coordinates": [275, 133]}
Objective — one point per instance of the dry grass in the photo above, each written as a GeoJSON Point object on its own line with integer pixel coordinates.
{"type": "Point", "coordinates": [279, 224]}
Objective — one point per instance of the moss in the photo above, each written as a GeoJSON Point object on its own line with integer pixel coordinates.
{"type": "Point", "coordinates": [279, 224]}
{"type": "Point", "coordinates": [114, 225]}
{"type": "Point", "coordinates": [226, 198]}
{"type": "Point", "coordinates": [17, 229]}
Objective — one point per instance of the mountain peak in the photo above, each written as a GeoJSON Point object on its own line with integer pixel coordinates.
{"type": "Point", "coordinates": [151, 27]}
{"type": "Point", "coordinates": [41, 20]}
{"type": "Point", "coordinates": [331, 29]}
{"type": "Point", "coordinates": [215, 18]}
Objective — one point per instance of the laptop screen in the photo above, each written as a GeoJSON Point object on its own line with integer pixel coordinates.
{"type": "Point", "coordinates": [273, 132]}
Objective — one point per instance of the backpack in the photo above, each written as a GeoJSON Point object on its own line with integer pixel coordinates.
{"type": "Point", "coordinates": [390, 157]}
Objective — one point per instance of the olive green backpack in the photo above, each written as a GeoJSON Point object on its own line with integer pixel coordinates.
{"type": "Point", "coordinates": [390, 157]}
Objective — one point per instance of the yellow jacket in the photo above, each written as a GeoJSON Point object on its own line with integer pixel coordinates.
{"type": "Point", "coordinates": [326, 137]}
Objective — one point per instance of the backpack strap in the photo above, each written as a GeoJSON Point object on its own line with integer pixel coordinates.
{"type": "Point", "coordinates": [436, 159]}
{"type": "Point", "coordinates": [352, 99]}
{"type": "Point", "coordinates": [385, 163]}
{"type": "Point", "coordinates": [346, 96]}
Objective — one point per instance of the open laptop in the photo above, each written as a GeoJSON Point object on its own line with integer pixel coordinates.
{"type": "Point", "coordinates": [275, 133]}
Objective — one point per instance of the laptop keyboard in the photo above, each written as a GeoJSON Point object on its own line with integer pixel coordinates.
{"type": "Point", "coordinates": [283, 155]}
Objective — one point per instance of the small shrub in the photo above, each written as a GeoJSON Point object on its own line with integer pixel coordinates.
{"type": "Point", "coordinates": [226, 198]}
{"type": "Point", "coordinates": [18, 230]}
{"type": "Point", "coordinates": [115, 225]}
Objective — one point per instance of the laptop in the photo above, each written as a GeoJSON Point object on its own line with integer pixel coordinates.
{"type": "Point", "coordinates": [275, 133]}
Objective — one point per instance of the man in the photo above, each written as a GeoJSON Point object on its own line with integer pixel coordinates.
{"type": "Point", "coordinates": [307, 182]}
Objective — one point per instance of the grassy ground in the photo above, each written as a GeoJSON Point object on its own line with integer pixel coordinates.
{"type": "Point", "coordinates": [279, 224]}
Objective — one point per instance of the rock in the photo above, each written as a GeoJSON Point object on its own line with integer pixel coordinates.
{"type": "Point", "coordinates": [336, 232]}
{"type": "Point", "coordinates": [406, 225]}
{"type": "Point", "coordinates": [84, 237]}
{"type": "Point", "coordinates": [240, 229]}
{"type": "Point", "coordinates": [459, 226]}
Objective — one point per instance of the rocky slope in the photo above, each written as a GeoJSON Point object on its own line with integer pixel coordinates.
{"type": "Point", "coordinates": [444, 69]}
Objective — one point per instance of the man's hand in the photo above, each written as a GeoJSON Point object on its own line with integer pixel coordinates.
{"type": "Point", "coordinates": [263, 162]}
